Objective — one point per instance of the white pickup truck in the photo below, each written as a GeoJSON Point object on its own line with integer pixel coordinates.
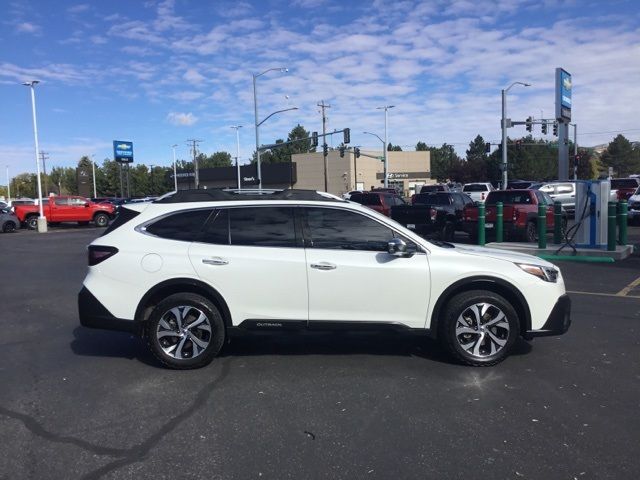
{"type": "Point", "coordinates": [477, 191]}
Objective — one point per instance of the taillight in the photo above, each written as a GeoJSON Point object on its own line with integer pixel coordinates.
{"type": "Point", "coordinates": [99, 253]}
{"type": "Point", "coordinates": [433, 213]}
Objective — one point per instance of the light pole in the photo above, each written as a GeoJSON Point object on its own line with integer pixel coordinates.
{"type": "Point", "coordinates": [42, 221]}
{"type": "Point", "coordinates": [575, 150]}
{"type": "Point", "coordinates": [504, 131]}
{"type": "Point", "coordinates": [8, 186]}
{"type": "Point", "coordinates": [257, 124]}
{"type": "Point", "coordinates": [175, 175]}
{"type": "Point", "coordinates": [237, 129]}
{"type": "Point", "coordinates": [93, 167]}
{"type": "Point", "coordinates": [384, 151]}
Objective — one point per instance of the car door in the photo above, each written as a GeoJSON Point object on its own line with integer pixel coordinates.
{"type": "Point", "coordinates": [351, 276]}
{"type": "Point", "coordinates": [61, 210]}
{"type": "Point", "coordinates": [79, 209]}
{"type": "Point", "coordinates": [254, 258]}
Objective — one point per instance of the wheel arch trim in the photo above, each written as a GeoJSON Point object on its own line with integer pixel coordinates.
{"type": "Point", "coordinates": [494, 284]}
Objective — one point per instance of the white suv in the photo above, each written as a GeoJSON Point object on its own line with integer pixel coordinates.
{"type": "Point", "coordinates": [192, 269]}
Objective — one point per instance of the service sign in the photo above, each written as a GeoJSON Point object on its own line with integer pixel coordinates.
{"type": "Point", "coordinates": [564, 87]}
{"type": "Point", "coordinates": [122, 151]}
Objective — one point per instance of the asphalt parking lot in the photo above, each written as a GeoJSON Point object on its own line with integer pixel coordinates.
{"type": "Point", "coordinates": [80, 403]}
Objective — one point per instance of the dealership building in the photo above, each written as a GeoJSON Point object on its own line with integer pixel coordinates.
{"type": "Point", "coordinates": [408, 171]}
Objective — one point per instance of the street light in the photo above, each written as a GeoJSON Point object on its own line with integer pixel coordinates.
{"type": "Point", "coordinates": [93, 167]}
{"type": "Point", "coordinates": [237, 129]}
{"type": "Point", "coordinates": [175, 175]}
{"type": "Point", "coordinates": [257, 124]}
{"type": "Point", "coordinates": [386, 164]}
{"type": "Point", "coordinates": [504, 131]}
{"type": "Point", "coordinates": [42, 221]}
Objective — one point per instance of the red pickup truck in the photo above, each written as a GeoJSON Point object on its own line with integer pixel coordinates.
{"type": "Point", "coordinates": [520, 214]}
{"type": "Point", "coordinates": [66, 209]}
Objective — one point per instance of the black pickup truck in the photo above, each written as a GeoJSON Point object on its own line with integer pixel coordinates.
{"type": "Point", "coordinates": [433, 213]}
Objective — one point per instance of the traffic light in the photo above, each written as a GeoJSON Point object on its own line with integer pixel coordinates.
{"type": "Point", "coordinates": [357, 152]}
{"type": "Point", "coordinates": [347, 136]}
{"type": "Point", "coordinates": [529, 119]}
{"type": "Point", "coordinates": [544, 128]}
{"type": "Point", "coordinates": [555, 129]}
{"type": "Point", "coordinates": [325, 149]}
{"type": "Point", "coordinates": [314, 139]}
{"type": "Point", "coordinates": [342, 151]}
{"type": "Point", "coordinates": [487, 147]}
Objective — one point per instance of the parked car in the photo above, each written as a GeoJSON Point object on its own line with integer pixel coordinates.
{"type": "Point", "coordinates": [520, 214]}
{"type": "Point", "coordinates": [478, 191]}
{"type": "Point", "coordinates": [455, 187]}
{"type": "Point", "coordinates": [66, 209]}
{"type": "Point", "coordinates": [440, 213]}
{"type": "Point", "coordinates": [8, 221]}
{"type": "Point", "coordinates": [176, 270]}
{"type": "Point", "coordinates": [379, 201]}
{"type": "Point", "coordinates": [438, 187]}
{"type": "Point", "coordinates": [519, 184]}
{"type": "Point", "coordinates": [625, 187]}
{"type": "Point", "coordinates": [347, 195]}
{"type": "Point", "coordinates": [634, 207]}
{"type": "Point", "coordinates": [563, 192]}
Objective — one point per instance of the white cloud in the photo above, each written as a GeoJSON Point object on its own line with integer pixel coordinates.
{"type": "Point", "coordinates": [193, 76]}
{"type": "Point", "coordinates": [82, 7]}
{"type": "Point", "coordinates": [27, 27]}
{"type": "Point", "coordinates": [98, 40]}
{"type": "Point", "coordinates": [182, 119]}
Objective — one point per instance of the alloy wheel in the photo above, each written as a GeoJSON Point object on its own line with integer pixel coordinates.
{"type": "Point", "coordinates": [482, 330]}
{"type": "Point", "coordinates": [184, 332]}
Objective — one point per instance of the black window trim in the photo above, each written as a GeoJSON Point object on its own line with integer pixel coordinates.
{"type": "Point", "coordinates": [142, 228]}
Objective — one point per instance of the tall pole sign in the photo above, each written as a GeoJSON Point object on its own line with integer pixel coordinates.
{"type": "Point", "coordinates": [123, 154]}
{"type": "Point", "coordinates": [564, 87]}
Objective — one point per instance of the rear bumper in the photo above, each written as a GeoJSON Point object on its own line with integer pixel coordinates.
{"type": "Point", "coordinates": [558, 322]}
{"type": "Point", "coordinates": [94, 315]}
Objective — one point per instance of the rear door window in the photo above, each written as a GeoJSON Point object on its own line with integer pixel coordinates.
{"type": "Point", "coordinates": [262, 227]}
{"type": "Point", "coordinates": [186, 225]}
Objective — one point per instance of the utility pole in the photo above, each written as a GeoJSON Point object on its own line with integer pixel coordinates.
{"type": "Point", "coordinates": [93, 169]}
{"type": "Point", "coordinates": [175, 173]}
{"type": "Point", "coordinates": [325, 148]}
{"type": "Point", "coordinates": [8, 186]}
{"type": "Point", "coordinates": [43, 158]}
{"type": "Point", "coordinates": [128, 182]}
{"type": "Point", "coordinates": [194, 150]}
{"type": "Point", "coordinates": [575, 150]}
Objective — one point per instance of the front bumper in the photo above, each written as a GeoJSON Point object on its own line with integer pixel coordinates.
{"type": "Point", "coordinates": [94, 315]}
{"type": "Point", "coordinates": [558, 322]}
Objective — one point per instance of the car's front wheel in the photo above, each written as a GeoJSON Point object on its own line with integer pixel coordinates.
{"type": "Point", "coordinates": [479, 327]}
{"type": "Point", "coordinates": [9, 226]}
{"type": "Point", "coordinates": [101, 220]}
{"type": "Point", "coordinates": [185, 331]}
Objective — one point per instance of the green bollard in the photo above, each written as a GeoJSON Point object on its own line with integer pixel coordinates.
{"type": "Point", "coordinates": [499, 222]}
{"type": "Point", "coordinates": [611, 234]}
{"type": "Point", "coordinates": [481, 239]}
{"type": "Point", "coordinates": [557, 223]}
{"type": "Point", "coordinates": [542, 226]}
{"type": "Point", "coordinates": [623, 212]}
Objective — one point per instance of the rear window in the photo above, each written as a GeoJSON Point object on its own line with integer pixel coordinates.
{"type": "Point", "coordinates": [262, 227]}
{"type": "Point", "coordinates": [185, 225]}
{"type": "Point", "coordinates": [432, 199]}
{"type": "Point", "coordinates": [365, 199]}
{"type": "Point", "coordinates": [475, 187]}
{"type": "Point", "coordinates": [624, 183]}
{"type": "Point", "coordinates": [431, 188]}
{"type": "Point", "coordinates": [123, 217]}
{"type": "Point", "coordinates": [510, 197]}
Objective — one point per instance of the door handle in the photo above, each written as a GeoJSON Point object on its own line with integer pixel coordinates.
{"type": "Point", "coordinates": [323, 266]}
{"type": "Point", "coordinates": [215, 261]}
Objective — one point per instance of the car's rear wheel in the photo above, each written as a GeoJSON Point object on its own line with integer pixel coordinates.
{"type": "Point", "coordinates": [479, 327]}
{"type": "Point", "coordinates": [101, 220]}
{"type": "Point", "coordinates": [32, 222]}
{"type": "Point", "coordinates": [185, 331]}
{"type": "Point", "coordinates": [9, 226]}
{"type": "Point", "coordinates": [531, 232]}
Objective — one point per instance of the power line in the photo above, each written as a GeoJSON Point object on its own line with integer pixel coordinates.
{"type": "Point", "coordinates": [608, 133]}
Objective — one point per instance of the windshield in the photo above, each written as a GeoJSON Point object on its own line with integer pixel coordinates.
{"type": "Point", "coordinates": [624, 183]}
{"type": "Point", "coordinates": [475, 187]}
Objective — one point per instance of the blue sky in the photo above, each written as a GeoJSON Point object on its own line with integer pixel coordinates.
{"type": "Point", "coordinates": [159, 72]}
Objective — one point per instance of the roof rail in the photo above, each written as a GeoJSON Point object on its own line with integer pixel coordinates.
{"type": "Point", "coordinates": [219, 194]}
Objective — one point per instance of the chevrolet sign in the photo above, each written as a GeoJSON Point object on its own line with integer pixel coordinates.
{"type": "Point", "coordinates": [122, 151]}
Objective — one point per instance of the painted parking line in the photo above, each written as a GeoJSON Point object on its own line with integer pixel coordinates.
{"type": "Point", "coordinates": [625, 291]}
{"type": "Point", "coordinates": [601, 294]}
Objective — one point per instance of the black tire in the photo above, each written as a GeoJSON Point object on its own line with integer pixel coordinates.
{"type": "Point", "coordinates": [458, 314]}
{"type": "Point", "coordinates": [531, 232]}
{"type": "Point", "coordinates": [32, 222]}
{"type": "Point", "coordinates": [165, 342]}
{"type": "Point", "coordinates": [9, 226]}
{"type": "Point", "coordinates": [447, 232]}
{"type": "Point", "coordinates": [101, 220]}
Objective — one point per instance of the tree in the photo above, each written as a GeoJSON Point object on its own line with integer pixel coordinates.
{"type": "Point", "coordinates": [421, 147]}
{"type": "Point", "coordinates": [300, 144]}
{"type": "Point", "coordinates": [393, 148]}
{"type": "Point", "coordinates": [476, 165]}
{"type": "Point", "coordinates": [217, 159]}
{"type": "Point", "coordinates": [622, 157]}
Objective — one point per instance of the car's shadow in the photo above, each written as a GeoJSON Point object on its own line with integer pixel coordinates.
{"type": "Point", "coordinates": [98, 343]}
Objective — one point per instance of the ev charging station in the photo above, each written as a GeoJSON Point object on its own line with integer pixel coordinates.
{"type": "Point", "coordinates": [592, 200]}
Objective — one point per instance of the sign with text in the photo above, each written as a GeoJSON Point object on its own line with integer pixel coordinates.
{"type": "Point", "coordinates": [404, 175]}
{"type": "Point", "coordinates": [123, 151]}
{"type": "Point", "coordinates": [564, 86]}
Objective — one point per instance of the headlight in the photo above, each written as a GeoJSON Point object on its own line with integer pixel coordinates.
{"type": "Point", "coordinates": [548, 274]}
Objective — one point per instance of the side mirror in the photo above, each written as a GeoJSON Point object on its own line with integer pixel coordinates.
{"type": "Point", "coordinates": [397, 247]}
